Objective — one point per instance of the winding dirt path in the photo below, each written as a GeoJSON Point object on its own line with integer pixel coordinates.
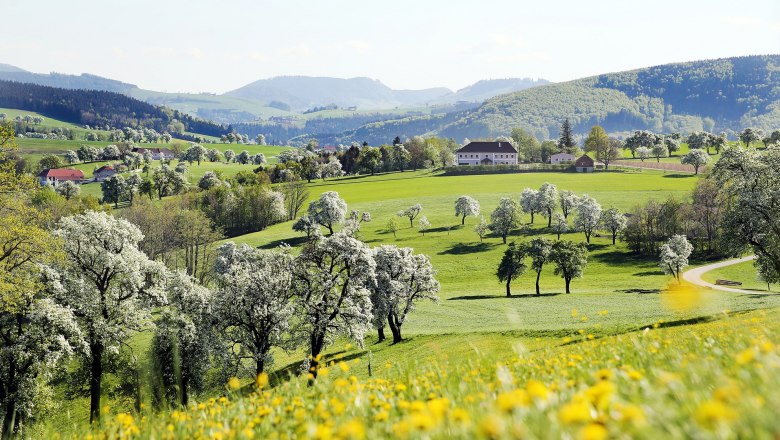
{"type": "Point", "coordinates": [693, 276]}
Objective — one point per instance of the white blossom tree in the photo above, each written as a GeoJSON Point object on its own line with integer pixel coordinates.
{"type": "Point", "coordinates": [505, 218]}
{"type": "Point", "coordinates": [696, 158]}
{"type": "Point", "coordinates": [229, 155]}
{"type": "Point", "coordinates": [568, 201]}
{"type": "Point", "coordinates": [423, 225]}
{"type": "Point", "coordinates": [330, 296]}
{"type": "Point", "coordinates": [328, 210]}
{"type": "Point", "coordinates": [674, 255]}
{"type": "Point", "coordinates": [481, 229]}
{"type": "Point", "coordinates": [108, 283]}
{"type": "Point", "coordinates": [529, 202]}
{"type": "Point", "coordinates": [613, 221]}
{"type": "Point", "coordinates": [402, 279]}
{"type": "Point", "coordinates": [588, 216]}
{"type": "Point", "coordinates": [644, 152]}
{"type": "Point", "coordinates": [560, 224]}
{"type": "Point", "coordinates": [253, 306]}
{"type": "Point", "coordinates": [660, 150]}
{"type": "Point", "coordinates": [71, 157]}
{"type": "Point", "coordinates": [305, 225]}
{"type": "Point", "coordinates": [466, 206]}
{"type": "Point", "coordinates": [331, 169]}
{"type": "Point", "coordinates": [570, 260]}
{"type": "Point", "coordinates": [68, 189]}
{"type": "Point", "coordinates": [411, 213]}
{"type": "Point", "coordinates": [547, 200]}
{"type": "Point", "coordinates": [539, 250]}
{"type": "Point", "coordinates": [183, 338]}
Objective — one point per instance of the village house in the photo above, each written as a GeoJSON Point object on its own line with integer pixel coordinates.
{"type": "Point", "coordinates": [104, 173]}
{"type": "Point", "coordinates": [157, 153]}
{"type": "Point", "coordinates": [487, 153]}
{"type": "Point", "coordinates": [562, 158]}
{"type": "Point", "coordinates": [54, 177]}
{"type": "Point", "coordinates": [585, 164]}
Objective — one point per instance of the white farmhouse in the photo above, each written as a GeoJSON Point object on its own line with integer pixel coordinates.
{"type": "Point", "coordinates": [562, 158]}
{"type": "Point", "coordinates": [487, 153]}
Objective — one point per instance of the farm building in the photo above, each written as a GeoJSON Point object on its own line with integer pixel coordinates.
{"type": "Point", "coordinates": [487, 153]}
{"type": "Point", "coordinates": [562, 158]}
{"type": "Point", "coordinates": [104, 173]}
{"type": "Point", "coordinates": [584, 164]}
{"type": "Point", "coordinates": [56, 176]}
{"type": "Point", "coordinates": [157, 153]}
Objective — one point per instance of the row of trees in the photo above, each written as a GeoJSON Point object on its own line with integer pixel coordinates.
{"type": "Point", "coordinates": [569, 258]}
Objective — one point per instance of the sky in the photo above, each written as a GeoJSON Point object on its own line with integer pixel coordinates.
{"type": "Point", "coordinates": [217, 46]}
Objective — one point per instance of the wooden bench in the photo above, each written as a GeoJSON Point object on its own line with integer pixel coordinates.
{"type": "Point", "coordinates": [727, 283]}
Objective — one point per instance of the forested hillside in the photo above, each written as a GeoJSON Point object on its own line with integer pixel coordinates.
{"type": "Point", "coordinates": [723, 94]}
{"type": "Point", "coordinates": [101, 109]}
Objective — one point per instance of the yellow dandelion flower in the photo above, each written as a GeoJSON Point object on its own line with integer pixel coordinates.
{"type": "Point", "coordinates": [537, 390]}
{"type": "Point", "coordinates": [491, 426]}
{"type": "Point", "coordinates": [353, 429]}
{"type": "Point", "coordinates": [400, 388]}
{"type": "Point", "coordinates": [593, 431]}
{"type": "Point", "coordinates": [574, 313]}
{"type": "Point", "coordinates": [745, 356]}
{"type": "Point", "coordinates": [381, 416]}
{"type": "Point", "coordinates": [574, 412]}
{"type": "Point", "coordinates": [422, 421]}
{"type": "Point", "coordinates": [507, 402]}
{"type": "Point", "coordinates": [261, 380]}
{"type": "Point", "coordinates": [631, 414]}
{"type": "Point", "coordinates": [234, 383]}
{"type": "Point", "coordinates": [712, 413]}
{"type": "Point", "coordinates": [343, 366]}
{"type": "Point", "coordinates": [460, 415]}
{"type": "Point", "coordinates": [604, 374]}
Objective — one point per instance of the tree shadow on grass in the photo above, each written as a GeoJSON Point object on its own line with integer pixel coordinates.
{"type": "Point", "coordinates": [621, 258]}
{"type": "Point", "coordinates": [521, 296]}
{"type": "Point", "coordinates": [470, 248]}
{"type": "Point", "coordinates": [640, 291]}
{"type": "Point", "coordinates": [649, 273]}
{"type": "Point", "coordinates": [293, 241]}
{"type": "Point", "coordinates": [678, 176]}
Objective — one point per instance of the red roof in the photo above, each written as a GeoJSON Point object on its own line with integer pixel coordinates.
{"type": "Point", "coordinates": [105, 168]}
{"type": "Point", "coordinates": [62, 174]}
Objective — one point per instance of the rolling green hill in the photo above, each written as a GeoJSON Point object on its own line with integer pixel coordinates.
{"type": "Point", "coordinates": [721, 94]}
{"type": "Point", "coordinates": [725, 94]}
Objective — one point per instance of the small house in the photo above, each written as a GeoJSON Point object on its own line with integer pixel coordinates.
{"type": "Point", "coordinates": [487, 153]}
{"type": "Point", "coordinates": [584, 164]}
{"type": "Point", "coordinates": [560, 158]}
{"type": "Point", "coordinates": [56, 176]}
{"type": "Point", "coordinates": [104, 173]}
{"type": "Point", "coordinates": [157, 153]}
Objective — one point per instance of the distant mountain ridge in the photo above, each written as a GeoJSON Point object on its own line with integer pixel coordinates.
{"type": "Point", "coordinates": [279, 96]}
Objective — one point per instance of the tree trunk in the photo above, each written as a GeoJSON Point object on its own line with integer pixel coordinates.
{"type": "Point", "coordinates": [614, 237]}
{"type": "Point", "coordinates": [380, 334]}
{"type": "Point", "coordinates": [538, 275]}
{"type": "Point", "coordinates": [463, 220]}
{"type": "Point", "coordinates": [395, 327]}
{"type": "Point", "coordinates": [503, 236]}
{"type": "Point", "coordinates": [411, 225]}
{"type": "Point", "coordinates": [508, 291]}
{"type": "Point", "coordinates": [549, 217]}
{"type": "Point", "coordinates": [96, 377]}
{"type": "Point", "coordinates": [568, 281]}
{"type": "Point", "coordinates": [559, 235]}
{"type": "Point", "coordinates": [317, 343]}
{"type": "Point", "coordinates": [10, 419]}
{"type": "Point", "coordinates": [532, 217]}
{"type": "Point", "coordinates": [587, 238]}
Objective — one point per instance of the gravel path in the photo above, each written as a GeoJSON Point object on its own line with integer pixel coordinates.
{"type": "Point", "coordinates": [693, 276]}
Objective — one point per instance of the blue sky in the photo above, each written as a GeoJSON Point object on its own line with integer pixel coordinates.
{"type": "Point", "coordinates": [216, 46]}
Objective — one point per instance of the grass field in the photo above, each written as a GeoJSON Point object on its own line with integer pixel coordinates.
{"type": "Point", "coordinates": [472, 298]}
{"type": "Point", "coordinates": [460, 348]}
